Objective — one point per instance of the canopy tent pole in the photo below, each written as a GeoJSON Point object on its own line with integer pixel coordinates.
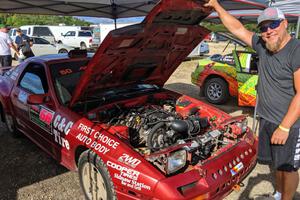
{"type": "Point", "coordinates": [298, 27]}
{"type": "Point", "coordinates": [115, 22]}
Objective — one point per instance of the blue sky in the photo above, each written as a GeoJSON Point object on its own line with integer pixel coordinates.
{"type": "Point", "coordinates": [97, 20]}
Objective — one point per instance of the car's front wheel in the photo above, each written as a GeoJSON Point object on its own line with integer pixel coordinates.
{"type": "Point", "coordinates": [94, 177]}
{"type": "Point", "coordinates": [63, 51]}
{"type": "Point", "coordinates": [216, 91]}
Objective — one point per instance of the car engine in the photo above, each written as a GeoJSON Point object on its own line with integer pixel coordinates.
{"type": "Point", "coordinates": [156, 129]}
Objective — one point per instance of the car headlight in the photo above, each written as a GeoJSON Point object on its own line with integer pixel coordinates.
{"type": "Point", "coordinates": [176, 161]}
{"type": "Point", "coordinates": [243, 125]}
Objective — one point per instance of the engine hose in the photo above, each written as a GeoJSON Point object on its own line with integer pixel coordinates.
{"type": "Point", "coordinates": [152, 133]}
{"type": "Point", "coordinates": [152, 123]}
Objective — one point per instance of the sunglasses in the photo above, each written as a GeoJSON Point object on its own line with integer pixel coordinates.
{"type": "Point", "coordinates": [272, 25]}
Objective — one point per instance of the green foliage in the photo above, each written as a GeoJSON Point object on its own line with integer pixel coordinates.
{"type": "Point", "coordinates": [221, 28]}
{"type": "Point", "coordinates": [16, 20]}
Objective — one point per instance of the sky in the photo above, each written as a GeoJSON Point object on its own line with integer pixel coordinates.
{"type": "Point", "coordinates": [96, 20]}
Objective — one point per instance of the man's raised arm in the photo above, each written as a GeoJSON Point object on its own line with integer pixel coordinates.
{"type": "Point", "coordinates": [231, 23]}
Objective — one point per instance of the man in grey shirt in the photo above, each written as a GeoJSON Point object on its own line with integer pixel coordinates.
{"type": "Point", "coordinates": [278, 91]}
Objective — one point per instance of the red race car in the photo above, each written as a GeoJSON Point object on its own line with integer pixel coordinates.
{"type": "Point", "coordinates": [108, 116]}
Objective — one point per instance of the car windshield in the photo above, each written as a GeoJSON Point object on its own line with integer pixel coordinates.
{"type": "Point", "coordinates": [65, 78]}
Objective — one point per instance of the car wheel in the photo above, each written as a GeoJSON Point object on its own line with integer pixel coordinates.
{"type": "Point", "coordinates": [216, 91]}
{"type": "Point", "coordinates": [82, 45]}
{"type": "Point", "coordinates": [94, 177]}
{"type": "Point", "coordinates": [63, 51]}
{"type": "Point", "coordinates": [10, 122]}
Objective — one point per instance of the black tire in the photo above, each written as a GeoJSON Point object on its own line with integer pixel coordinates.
{"type": "Point", "coordinates": [10, 122]}
{"type": "Point", "coordinates": [63, 51]}
{"type": "Point", "coordinates": [92, 170]}
{"type": "Point", "coordinates": [83, 46]}
{"type": "Point", "coordinates": [216, 91]}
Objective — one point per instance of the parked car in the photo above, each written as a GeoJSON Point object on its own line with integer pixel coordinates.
{"type": "Point", "coordinates": [43, 47]}
{"type": "Point", "coordinates": [109, 117]}
{"type": "Point", "coordinates": [41, 31]}
{"type": "Point", "coordinates": [81, 38]}
{"type": "Point", "coordinates": [200, 50]}
{"type": "Point", "coordinates": [235, 74]}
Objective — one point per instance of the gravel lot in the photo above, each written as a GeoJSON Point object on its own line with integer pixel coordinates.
{"type": "Point", "coordinates": [27, 173]}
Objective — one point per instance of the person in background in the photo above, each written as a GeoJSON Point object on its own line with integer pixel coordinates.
{"type": "Point", "coordinates": [278, 92]}
{"type": "Point", "coordinates": [23, 43]}
{"type": "Point", "coordinates": [5, 45]}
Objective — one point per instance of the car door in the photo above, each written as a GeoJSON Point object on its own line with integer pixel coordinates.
{"type": "Point", "coordinates": [69, 38]}
{"type": "Point", "coordinates": [42, 47]}
{"type": "Point", "coordinates": [246, 66]}
{"type": "Point", "coordinates": [34, 120]}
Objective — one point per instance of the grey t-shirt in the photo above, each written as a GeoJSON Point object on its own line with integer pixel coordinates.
{"type": "Point", "coordinates": [276, 79]}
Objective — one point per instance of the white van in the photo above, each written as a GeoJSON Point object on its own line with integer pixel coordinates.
{"type": "Point", "coordinates": [42, 31]}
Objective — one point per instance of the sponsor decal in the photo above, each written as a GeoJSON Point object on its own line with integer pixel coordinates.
{"type": "Point", "coordinates": [61, 126]}
{"type": "Point", "coordinates": [237, 168]}
{"type": "Point", "coordinates": [96, 140]}
{"type": "Point", "coordinates": [128, 177]}
{"type": "Point", "coordinates": [41, 116]}
{"type": "Point", "coordinates": [22, 96]}
{"type": "Point", "coordinates": [129, 160]}
{"type": "Point", "coordinates": [14, 75]}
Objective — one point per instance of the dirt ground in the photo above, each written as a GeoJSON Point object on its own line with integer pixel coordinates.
{"type": "Point", "coordinates": [27, 173]}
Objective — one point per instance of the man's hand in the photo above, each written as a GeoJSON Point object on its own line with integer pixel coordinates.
{"type": "Point", "coordinates": [279, 137]}
{"type": "Point", "coordinates": [211, 3]}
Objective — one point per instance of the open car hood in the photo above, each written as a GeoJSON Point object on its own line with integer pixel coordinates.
{"type": "Point", "coordinates": [232, 38]}
{"type": "Point", "coordinates": [146, 53]}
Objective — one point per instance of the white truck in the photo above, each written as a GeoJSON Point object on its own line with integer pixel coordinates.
{"type": "Point", "coordinates": [50, 33]}
{"type": "Point", "coordinates": [79, 38]}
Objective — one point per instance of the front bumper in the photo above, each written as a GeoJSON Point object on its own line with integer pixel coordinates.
{"type": "Point", "coordinates": [212, 180]}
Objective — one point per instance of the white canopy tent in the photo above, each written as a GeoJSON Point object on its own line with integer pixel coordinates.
{"type": "Point", "coordinates": [291, 9]}
{"type": "Point", "coordinates": [102, 8]}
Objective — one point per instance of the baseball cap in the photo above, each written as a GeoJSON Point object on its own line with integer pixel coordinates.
{"type": "Point", "coordinates": [18, 30]}
{"type": "Point", "coordinates": [270, 13]}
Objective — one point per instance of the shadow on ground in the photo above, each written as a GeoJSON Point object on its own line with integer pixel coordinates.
{"type": "Point", "coordinates": [22, 164]}
{"type": "Point", "coordinates": [254, 180]}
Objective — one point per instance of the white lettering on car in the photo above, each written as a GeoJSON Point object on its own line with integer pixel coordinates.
{"type": "Point", "coordinates": [61, 126]}
{"type": "Point", "coordinates": [128, 177]}
{"type": "Point", "coordinates": [129, 160]}
{"type": "Point", "coordinates": [92, 144]}
{"type": "Point", "coordinates": [100, 142]}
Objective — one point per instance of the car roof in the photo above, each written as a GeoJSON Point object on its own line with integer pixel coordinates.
{"type": "Point", "coordinates": [56, 57]}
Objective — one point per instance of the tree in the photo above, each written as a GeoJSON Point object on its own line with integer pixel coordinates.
{"type": "Point", "coordinates": [17, 20]}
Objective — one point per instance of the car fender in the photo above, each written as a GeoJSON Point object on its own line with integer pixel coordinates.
{"type": "Point", "coordinates": [126, 166]}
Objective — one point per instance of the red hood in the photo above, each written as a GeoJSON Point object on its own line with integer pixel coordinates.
{"type": "Point", "coordinates": [148, 52]}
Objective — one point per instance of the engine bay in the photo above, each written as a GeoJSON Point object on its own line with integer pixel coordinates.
{"type": "Point", "coordinates": [160, 127]}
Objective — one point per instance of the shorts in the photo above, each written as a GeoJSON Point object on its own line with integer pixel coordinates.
{"type": "Point", "coordinates": [282, 157]}
{"type": "Point", "coordinates": [5, 60]}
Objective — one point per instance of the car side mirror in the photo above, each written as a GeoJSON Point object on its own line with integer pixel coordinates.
{"type": "Point", "coordinates": [35, 99]}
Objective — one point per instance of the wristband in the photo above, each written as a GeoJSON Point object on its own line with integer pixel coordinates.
{"type": "Point", "coordinates": [283, 129]}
